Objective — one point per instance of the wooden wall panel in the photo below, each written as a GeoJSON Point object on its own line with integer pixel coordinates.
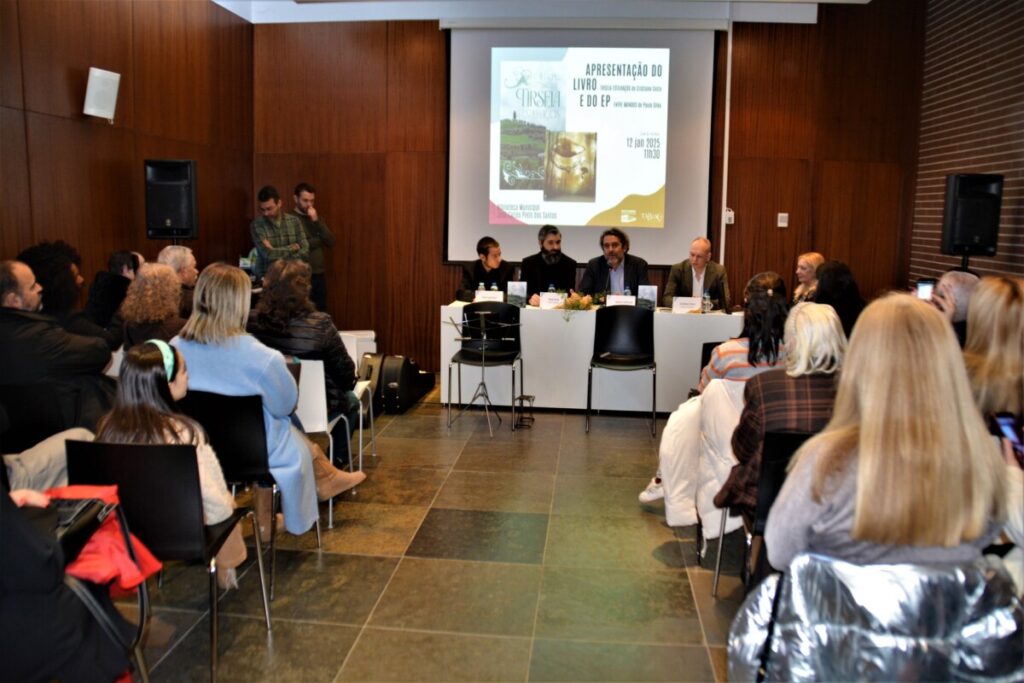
{"type": "Point", "coordinates": [758, 190]}
{"type": "Point", "coordinates": [16, 216]}
{"type": "Point", "coordinates": [10, 57]}
{"type": "Point", "coordinates": [858, 217]}
{"type": "Point", "coordinates": [80, 176]}
{"type": "Point", "coordinates": [320, 88]}
{"type": "Point", "coordinates": [417, 87]}
{"type": "Point", "coordinates": [60, 40]}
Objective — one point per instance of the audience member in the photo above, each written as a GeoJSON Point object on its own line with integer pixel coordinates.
{"type": "Point", "coordinates": [951, 295]}
{"type": "Point", "coordinates": [275, 234]}
{"type": "Point", "coordinates": [38, 350]}
{"type": "Point", "coordinates": [489, 270]}
{"type": "Point", "coordinates": [318, 235]}
{"type": "Point", "coordinates": [758, 348]}
{"type": "Point", "coordinates": [285, 319]}
{"type": "Point", "coordinates": [798, 398]}
{"type": "Point", "coordinates": [183, 261]}
{"type": "Point", "coordinates": [56, 267]}
{"type": "Point", "coordinates": [994, 352]}
{"type": "Point", "coordinates": [807, 276]}
{"type": "Point", "coordinates": [42, 466]}
{"type": "Point", "coordinates": [616, 270]}
{"type": "Point", "coordinates": [697, 276]}
{"type": "Point", "coordinates": [905, 471]}
{"type": "Point", "coordinates": [838, 289]}
{"type": "Point", "coordinates": [47, 632]}
{"type": "Point", "coordinates": [153, 378]}
{"type": "Point", "coordinates": [223, 359]}
{"type": "Point", "coordinates": [109, 288]}
{"type": "Point", "coordinates": [151, 309]}
{"type": "Point", "coordinates": [549, 269]}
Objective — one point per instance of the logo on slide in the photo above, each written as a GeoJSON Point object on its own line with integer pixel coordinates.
{"type": "Point", "coordinates": [628, 216]}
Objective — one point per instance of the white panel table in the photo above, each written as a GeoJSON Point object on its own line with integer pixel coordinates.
{"type": "Point", "coordinates": [557, 346]}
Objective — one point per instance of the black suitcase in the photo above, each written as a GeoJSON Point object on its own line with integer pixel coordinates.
{"type": "Point", "coordinates": [403, 383]}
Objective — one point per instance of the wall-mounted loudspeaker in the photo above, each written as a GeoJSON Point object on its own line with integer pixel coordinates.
{"type": "Point", "coordinates": [170, 199]}
{"type": "Point", "coordinates": [970, 224]}
{"type": "Point", "coordinates": [101, 93]}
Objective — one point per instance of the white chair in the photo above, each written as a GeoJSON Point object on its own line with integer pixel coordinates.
{"type": "Point", "coordinates": [312, 412]}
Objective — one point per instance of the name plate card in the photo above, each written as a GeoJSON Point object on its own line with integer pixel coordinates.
{"type": "Point", "coordinates": [620, 300]}
{"type": "Point", "coordinates": [488, 295]}
{"type": "Point", "coordinates": [549, 300]}
{"type": "Point", "coordinates": [686, 304]}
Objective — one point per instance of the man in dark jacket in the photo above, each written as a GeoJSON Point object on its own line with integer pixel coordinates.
{"type": "Point", "coordinates": [615, 270]}
{"type": "Point", "coordinates": [35, 349]}
{"type": "Point", "coordinates": [489, 271]}
{"type": "Point", "coordinates": [548, 268]}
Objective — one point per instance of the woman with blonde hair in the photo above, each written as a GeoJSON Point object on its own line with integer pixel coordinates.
{"type": "Point", "coordinates": [224, 359]}
{"type": "Point", "coordinates": [150, 310]}
{"type": "Point", "coordinates": [994, 352]}
{"type": "Point", "coordinates": [797, 398]}
{"type": "Point", "coordinates": [807, 276]}
{"type": "Point", "coordinates": [905, 471]}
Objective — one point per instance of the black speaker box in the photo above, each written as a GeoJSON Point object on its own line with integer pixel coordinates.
{"type": "Point", "coordinates": [970, 223]}
{"type": "Point", "coordinates": [171, 199]}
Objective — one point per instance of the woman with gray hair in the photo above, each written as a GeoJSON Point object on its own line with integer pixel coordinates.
{"type": "Point", "coordinates": [798, 398]}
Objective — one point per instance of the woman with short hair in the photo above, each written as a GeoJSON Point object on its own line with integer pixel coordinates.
{"type": "Point", "coordinates": [150, 311]}
{"type": "Point", "coordinates": [906, 470]}
{"type": "Point", "coordinates": [807, 276]}
{"type": "Point", "coordinates": [224, 359]}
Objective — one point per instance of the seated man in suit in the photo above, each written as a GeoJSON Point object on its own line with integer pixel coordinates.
{"type": "Point", "coordinates": [697, 275]}
{"type": "Point", "coordinates": [489, 271]}
{"type": "Point", "coordinates": [616, 270]}
{"type": "Point", "coordinates": [549, 268]}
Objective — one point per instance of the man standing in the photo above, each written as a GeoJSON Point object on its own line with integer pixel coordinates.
{"type": "Point", "coordinates": [318, 235]}
{"type": "Point", "coordinates": [698, 275]}
{"type": "Point", "coordinates": [489, 271]}
{"type": "Point", "coordinates": [276, 234]}
{"type": "Point", "coordinates": [183, 261]}
{"type": "Point", "coordinates": [36, 350]}
{"type": "Point", "coordinates": [616, 270]}
{"type": "Point", "coordinates": [549, 269]}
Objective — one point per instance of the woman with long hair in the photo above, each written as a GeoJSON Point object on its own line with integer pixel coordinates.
{"type": "Point", "coordinates": [153, 378]}
{"type": "Point", "coordinates": [286, 319]}
{"type": "Point", "coordinates": [906, 470]}
{"type": "Point", "coordinates": [224, 359]}
{"type": "Point", "coordinates": [807, 276]}
{"type": "Point", "coordinates": [150, 310]}
{"type": "Point", "coordinates": [994, 352]}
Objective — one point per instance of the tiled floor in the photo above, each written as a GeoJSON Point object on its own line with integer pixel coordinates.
{"type": "Point", "coordinates": [468, 558]}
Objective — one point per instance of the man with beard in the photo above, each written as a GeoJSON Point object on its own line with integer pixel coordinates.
{"type": "Point", "coordinates": [616, 271]}
{"type": "Point", "coordinates": [549, 269]}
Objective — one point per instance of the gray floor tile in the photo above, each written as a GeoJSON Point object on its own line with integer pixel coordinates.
{"type": "Point", "coordinates": [501, 491]}
{"type": "Point", "coordinates": [483, 536]}
{"type": "Point", "coordinates": [555, 660]}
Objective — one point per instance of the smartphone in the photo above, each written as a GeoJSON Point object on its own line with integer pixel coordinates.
{"type": "Point", "coordinates": [1007, 426]}
{"type": "Point", "coordinates": [925, 287]}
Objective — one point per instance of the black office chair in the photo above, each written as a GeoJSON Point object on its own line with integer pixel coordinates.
{"type": "Point", "coordinates": [159, 491]}
{"type": "Point", "coordinates": [237, 433]}
{"type": "Point", "coordinates": [624, 341]}
{"type": "Point", "coordinates": [34, 412]}
{"type": "Point", "coordinates": [777, 451]}
{"type": "Point", "coordinates": [490, 337]}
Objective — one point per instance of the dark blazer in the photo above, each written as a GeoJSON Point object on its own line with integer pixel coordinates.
{"type": "Point", "coordinates": [473, 274]}
{"type": "Point", "coordinates": [680, 283]}
{"type": "Point", "coordinates": [539, 275]}
{"type": "Point", "coordinates": [595, 277]}
{"type": "Point", "coordinates": [314, 337]}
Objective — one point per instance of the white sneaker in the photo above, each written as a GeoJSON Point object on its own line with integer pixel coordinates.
{"type": "Point", "coordinates": [653, 492]}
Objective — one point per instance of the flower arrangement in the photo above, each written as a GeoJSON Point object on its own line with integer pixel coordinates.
{"type": "Point", "coordinates": [575, 302]}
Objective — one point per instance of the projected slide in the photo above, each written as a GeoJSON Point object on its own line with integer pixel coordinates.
{"type": "Point", "coordinates": [578, 136]}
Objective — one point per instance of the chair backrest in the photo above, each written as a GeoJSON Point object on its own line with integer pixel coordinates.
{"type": "Point", "coordinates": [624, 331]}
{"type": "Point", "coordinates": [34, 411]}
{"type": "Point", "coordinates": [312, 407]}
{"type": "Point", "coordinates": [235, 427]}
{"type": "Point", "coordinates": [776, 453]}
{"type": "Point", "coordinates": [158, 487]}
{"type": "Point", "coordinates": [498, 330]}
{"type": "Point", "coordinates": [705, 353]}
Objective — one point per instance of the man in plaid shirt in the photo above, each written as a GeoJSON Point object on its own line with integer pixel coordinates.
{"type": "Point", "coordinates": [276, 234]}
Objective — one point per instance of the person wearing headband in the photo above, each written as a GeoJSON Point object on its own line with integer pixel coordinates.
{"type": "Point", "coordinates": [153, 378]}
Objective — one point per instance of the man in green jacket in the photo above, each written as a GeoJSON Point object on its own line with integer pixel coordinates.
{"type": "Point", "coordinates": [318, 235]}
{"type": "Point", "coordinates": [275, 234]}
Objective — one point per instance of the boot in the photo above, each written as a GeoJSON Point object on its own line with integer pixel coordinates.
{"type": "Point", "coordinates": [263, 504]}
{"type": "Point", "coordinates": [331, 481]}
